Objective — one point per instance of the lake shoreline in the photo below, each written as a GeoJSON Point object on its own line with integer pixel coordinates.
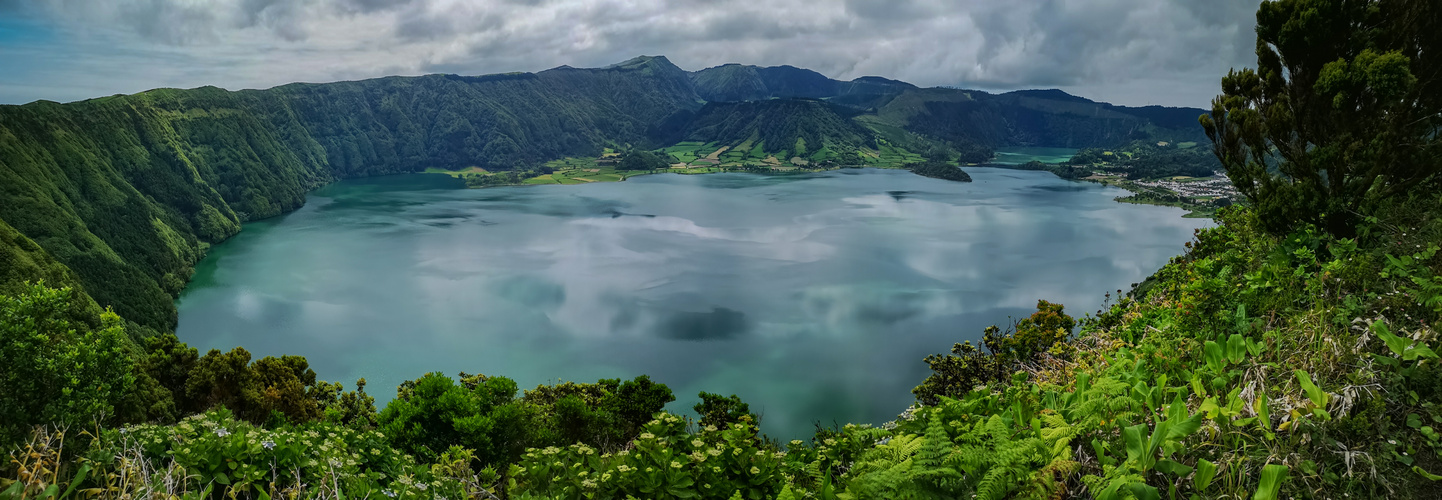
{"type": "Point", "coordinates": [388, 278]}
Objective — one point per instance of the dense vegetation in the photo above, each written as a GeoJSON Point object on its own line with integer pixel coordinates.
{"type": "Point", "coordinates": [937, 167]}
{"type": "Point", "coordinates": [783, 128]}
{"type": "Point", "coordinates": [641, 160]}
{"type": "Point", "coordinates": [129, 191]}
{"type": "Point", "coordinates": [1341, 113]}
{"type": "Point", "coordinates": [1145, 161]}
{"type": "Point", "coordinates": [1063, 170]}
{"type": "Point", "coordinates": [1239, 369]}
{"type": "Point", "coordinates": [1289, 353]}
{"type": "Point", "coordinates": [937, 170]}
{"type": "Point", "coordinates": [122, 195]}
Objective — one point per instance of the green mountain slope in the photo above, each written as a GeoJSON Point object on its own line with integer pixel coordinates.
{"type": "Point", "coordinates": [737, 82]}
{"type": "Point", "coordinates": [23, 260]}
{"type": "Point", "coordinates": [128, 192]}
{"type": "Point", "coordinates": [1034, 118]}
{"type": "Point", "coordinates": [795, 126]}
{"type": "Point", "coordinates": [960, 117]}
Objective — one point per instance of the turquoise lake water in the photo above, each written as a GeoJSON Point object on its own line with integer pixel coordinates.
{"type": "Point", "coordinates": [814, 297]}
{"type": "Point", "coordinates": [1018, 156]}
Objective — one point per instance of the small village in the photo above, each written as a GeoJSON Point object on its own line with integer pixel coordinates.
{"type": "Point", "coordinates": [1217, 186]}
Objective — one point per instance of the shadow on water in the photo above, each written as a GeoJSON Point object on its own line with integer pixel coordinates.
{"type": "Point", "coordinates": [814, 297]}
{"type": "Point", "coordinates": [719, 324]}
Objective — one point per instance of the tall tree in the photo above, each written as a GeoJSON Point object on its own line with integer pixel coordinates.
{"type": "Point", "coordinates": [1341, 113]}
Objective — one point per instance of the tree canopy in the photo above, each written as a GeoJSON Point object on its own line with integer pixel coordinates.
{"type": "Point", "coordinates": [1341, 114]}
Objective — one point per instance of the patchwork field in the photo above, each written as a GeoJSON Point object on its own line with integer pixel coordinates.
{"type": "Point", "coordinates": [752, 154]}
{"type": "Point", "coordinates": [457, 173]}
{"type": "Point", "coordinates": [692, 158]}
{"type": "Point", "coordinates": [886, 155]}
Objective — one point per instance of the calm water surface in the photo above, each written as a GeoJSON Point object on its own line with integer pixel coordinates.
{"type": "Point", "coordinates": [1018, 156]}
{"type": "Point", "coordinates": [813, 297]}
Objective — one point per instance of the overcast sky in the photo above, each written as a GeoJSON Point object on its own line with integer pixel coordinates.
{"type": "Point", "coordinates": [1134, 52]}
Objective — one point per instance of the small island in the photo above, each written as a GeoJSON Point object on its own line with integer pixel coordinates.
{"type": "Point", "coordinates": [940, 170]}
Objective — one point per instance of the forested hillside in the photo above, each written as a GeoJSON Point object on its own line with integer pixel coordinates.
{"type": "Point", "coordinates": [786, 127]}
{"type": "Point", "coordinates": [129, 191]}
{"type": "Point", "coordinates": [1049, 118]}
{"type": "Point", "coordinates": [1289, 352]}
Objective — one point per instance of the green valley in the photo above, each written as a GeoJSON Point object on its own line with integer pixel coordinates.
{"type": "Point", "coordinates": [129, 191]}
{"type": "Point", "coordinates": [1289, 351]}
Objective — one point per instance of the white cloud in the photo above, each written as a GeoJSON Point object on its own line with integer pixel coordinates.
{"type": "Point", "coordinates": [1160, 51]}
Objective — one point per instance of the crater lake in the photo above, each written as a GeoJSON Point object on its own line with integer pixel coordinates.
{"type": "Point", "coordinates": [814, 297]}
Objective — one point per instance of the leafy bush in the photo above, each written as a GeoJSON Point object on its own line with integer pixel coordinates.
{"type": "Point", "coordinates": [722, 411]}
{"type": "Point", "coordinates": [641, 160]}
{"type": "Point", "coordinates": [1339, 116]}
{"type": "Point", "coordinates": [217, 452]}
{"type": "Point", "coordinates": [605, 415]}
{"type": "Point", "coordinates": [55, 368]}
{"type": "Point", "coordinates": [967, 367]}
{"type": "Point", "coordinates": [433, 413]}
{"type": "Point", "coordinates": [665, 461]}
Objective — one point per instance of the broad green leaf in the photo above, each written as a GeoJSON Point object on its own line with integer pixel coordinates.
{"type": "Point", "coordinates": [13, 492]}
{"type": "Point", "coordinates": [1173, 467]}
{"type": "Point", "coordinates": [1209, 407]}
{"type": "Point", "coordinates": [1144, 492]}
{"type": "Point", "coordinates": [1398, 345]}
{"type": "Point", "coordinates": [1216, 357]}
{"type": "Point", "coordinates": [1178, 408]}
{"type": "Point", "coordinates": [1255, 347]}
{"type": "Point", "coordinates": [75, 483]}
{"type": "Point", "coordinates": [1159, 434]}
{"type": "Point", "coordinates": [1135, 441]}
{"type": "Point", "coordinates": [1197, 387]}
{"type": "Point", "coordinates": [1314, 393]}
{"type": "Point", "coordinates": [1205, 472]}
{"type": "Point", "coordinates": [1236, 348]}
{"type": "Point", "coordinates": [1419, 351]}
{"type": "Point", "coordinates": [1272, 477]}
{"type": "Point", "coordinates": [1185, 427]}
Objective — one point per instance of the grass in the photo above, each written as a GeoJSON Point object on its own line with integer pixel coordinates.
{"type": "Point", "coordinates": [572, 163]}
{"type": "Point", "coordinates": [456, 173]}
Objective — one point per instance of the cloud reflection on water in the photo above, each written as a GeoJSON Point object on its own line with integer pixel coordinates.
{"type": "Point", "coordinates": [813, 297]}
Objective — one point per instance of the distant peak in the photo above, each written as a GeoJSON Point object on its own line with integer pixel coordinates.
{"type": "Point", "coordinates": [1050, 94]}
{"type": "Point", "coordinates": [643, 61]}
{"type": "Point", "coordinates": [880, 80]}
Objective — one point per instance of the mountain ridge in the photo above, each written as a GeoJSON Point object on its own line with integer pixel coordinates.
{"type": "Point", "coordinates": [127, 192]}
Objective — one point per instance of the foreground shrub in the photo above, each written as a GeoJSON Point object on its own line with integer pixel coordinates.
{"type": "Point", "coordinates": [665, 461]}
{"type": "Point", "coordinates": [216, 452]}
{"type": "Point", "coordinates": [54, 368]}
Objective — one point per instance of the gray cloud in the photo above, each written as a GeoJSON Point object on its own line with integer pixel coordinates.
{"type": "Point", "coordinates": [1133, 51]}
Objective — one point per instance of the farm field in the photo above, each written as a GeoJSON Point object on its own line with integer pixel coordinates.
{"type": "Point", "coordinates": [691, 158]}
{"type": "Point", "coordinates": [456, 173]}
